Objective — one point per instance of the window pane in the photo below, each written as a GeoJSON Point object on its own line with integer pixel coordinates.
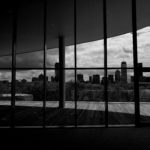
{"type": "Point", "coordinates": [52, 57]}
{"type": "Point", "coordinates": [29, 98]}
{"type": "Point", "coordinates": [30, 26]}
{"type": "Point", "coordinates": [90, 101]}
{"type": "Point", "coordinates": [119, 29]}
{"type": "Point", "coordinates": [144, 82]}
{"type": "Point", "coordinates": [5, 98]}
{"type": "Point", "coordinates": [69, 57]}
{"type": "Point", "coordinates": [5, 29]}
{"type": "Point", "coordinates": [58, 24]}
{"type": "Point", "coordinates": [120, 97]}
{"type": "Point", "coordinates": [143, 34]}
{"type": "Point", "coordinates": [90, 51]}
{"type": "Point", "coordinates": [56, 116]}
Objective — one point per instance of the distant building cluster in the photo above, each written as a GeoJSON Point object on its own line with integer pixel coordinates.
{"type": "Point", "coordinates": [95, 79]}
{"type": "Point", "coordinates": [39, 78]}
{"type": "Point", "coordinates": [119, 76]}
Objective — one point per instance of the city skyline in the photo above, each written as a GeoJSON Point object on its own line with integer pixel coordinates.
{"type": "Point", "coordinates": [119, 75]}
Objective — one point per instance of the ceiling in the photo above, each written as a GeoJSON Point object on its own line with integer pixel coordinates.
{"type": "Point", "coordinates": [60, 21]}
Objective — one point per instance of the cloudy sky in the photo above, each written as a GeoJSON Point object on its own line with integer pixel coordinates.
{"type": "Point", "coordinates": [89, 55]}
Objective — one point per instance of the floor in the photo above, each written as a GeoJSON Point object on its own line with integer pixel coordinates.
{"type": "Point", "coordinates": [113, 138]}
{"type": "Point", "coordinates": [81, 138]}
{"type": "Point", "coordinates": [122, 107]}
{"type": "Point", "coordinates": [88, 114]}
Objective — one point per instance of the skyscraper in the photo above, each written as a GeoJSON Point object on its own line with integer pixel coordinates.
{"type": "Point", "coordinates": [96, 79]}
{"type": "Point", "coordinates": [80, 77]}
{"type": "Point", "coordinates": [117, 76]}
{"type": "Point", "coordinates": [123, 72]}
{"type": "Point", "coordinates": [111, 78]}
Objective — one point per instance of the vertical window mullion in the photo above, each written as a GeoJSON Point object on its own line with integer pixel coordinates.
{"type": "Point", "coordinates": [13, 80]}
{"type": "Point", "coordinates": [105, 61]}
{"type": "Point", "coordinates": [135, 61]}
{"type": "Point", "coordinates": [44, 63]}
{"type": "Point", "coordinates": [75, 59]}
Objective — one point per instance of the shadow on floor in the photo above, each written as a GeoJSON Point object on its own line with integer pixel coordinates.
{"type": "Point", "coordinates": [33, 116]}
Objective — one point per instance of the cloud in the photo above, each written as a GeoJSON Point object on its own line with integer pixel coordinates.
{"type": "Point", "coordinates": [5, 75]}
{"type": "Point", "coordinates": [144, 46]}
{"type": "Point", "coordinates": [28, 74]}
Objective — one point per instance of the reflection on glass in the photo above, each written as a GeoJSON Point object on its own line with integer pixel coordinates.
{"type": "Point", "coordinates": [5, 98]}
{"type": "Point", "coordinates": [29, 98]}
{"type": "Point", "coordinates": [120, 96]}
{"type": "Point", "coordinates": [90, 97]}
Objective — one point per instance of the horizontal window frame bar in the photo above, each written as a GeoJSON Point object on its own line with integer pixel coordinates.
{"type": "Point", "coordinates": [24, 68]}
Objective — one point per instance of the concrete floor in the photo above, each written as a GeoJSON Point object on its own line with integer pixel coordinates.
{"type": "Point", "coordinates": [128, 138]}
{"type": "Point", "coordinates": [121, 107]}
{"type": "Point", "coordinates": [81, 138]}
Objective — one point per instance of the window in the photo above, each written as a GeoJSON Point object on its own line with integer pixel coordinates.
{"type": "Point", "coordinates": [57, 70]}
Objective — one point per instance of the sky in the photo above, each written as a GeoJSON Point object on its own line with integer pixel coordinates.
{"type": "Point", "coordinates": [90, 54]}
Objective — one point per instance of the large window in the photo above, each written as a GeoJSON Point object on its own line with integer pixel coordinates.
{"type": "Point", "coordinates": [143, 58]}
{"type": "Point", "coordinates": [5, 67]}
{"type": "Point", "coordinates": [57, 70]}
{"type": "Point", "coordinates": [120, 63]}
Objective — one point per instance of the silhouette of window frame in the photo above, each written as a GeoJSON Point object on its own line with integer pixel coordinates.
{"type": "Point", "coordinates": [75, 68]}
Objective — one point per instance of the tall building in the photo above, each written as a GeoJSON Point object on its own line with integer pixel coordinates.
{"type": "Point", "coordinates": [111, 78]}
{"type": "Point", "coordinates": [41, 77]}
{"type": "Point", "coordinates": [117, 76]}
{"type": "Point", "coordinates": [80, 78]}
{"type": "Point", "coordinates": [34, 79]}
{"type": "Point", "coordinates": [96, 79]}
{"type": "Point", "coordinates": [56, 72]}
{"type": "Point", "coordinates": [123, 72]}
